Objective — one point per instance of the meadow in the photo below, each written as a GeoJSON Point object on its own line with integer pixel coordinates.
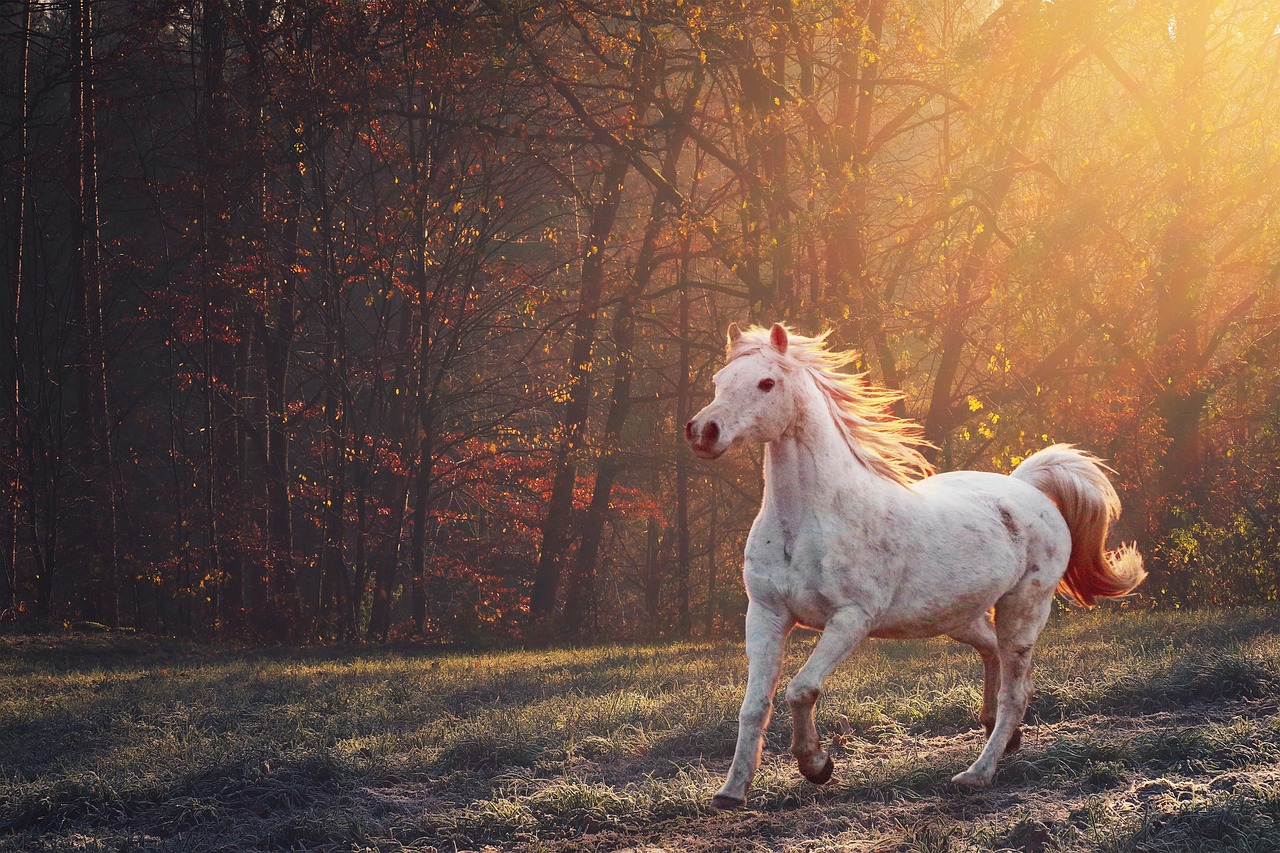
{"type": "Point", "coordinates": [1152, 731]}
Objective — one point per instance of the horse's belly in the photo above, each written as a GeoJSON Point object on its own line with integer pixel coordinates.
{"type": "Point", "coordinates": [916, 630]}
{"type": "Point", "coordinates": [910, 620]}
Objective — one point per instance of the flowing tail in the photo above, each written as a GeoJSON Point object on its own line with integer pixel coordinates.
{"type": "Point", "coordinates": [1077, 482]}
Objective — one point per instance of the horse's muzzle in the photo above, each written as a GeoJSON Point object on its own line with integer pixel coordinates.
{"type": "Point", "coordinates": [704, 439]}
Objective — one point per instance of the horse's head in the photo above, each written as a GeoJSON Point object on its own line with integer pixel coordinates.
{"type": "Point", "coordinates": [754, 402]}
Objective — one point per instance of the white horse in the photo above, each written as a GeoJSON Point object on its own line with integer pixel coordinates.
{"type": "Point", "coordinates": [855, 538]}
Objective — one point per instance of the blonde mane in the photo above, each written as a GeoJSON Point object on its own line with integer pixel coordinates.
{"type": "Point", "coordinates": [885, 443]}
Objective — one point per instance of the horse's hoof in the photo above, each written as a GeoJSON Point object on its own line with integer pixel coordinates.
{"type": "Point", "coordinates": [721, 803]}
{"type": "Point", "coordinates": [1015, 741]}
{"type": "Point", "coordinates": [969, 779]}
{"type": "Point", "coordinates": [823, 776]}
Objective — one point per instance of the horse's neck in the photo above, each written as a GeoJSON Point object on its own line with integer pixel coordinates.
{"type": "Point", "coordinates": [811, 470]}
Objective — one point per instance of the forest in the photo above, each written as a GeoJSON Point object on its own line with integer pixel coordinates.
{"type": "Point", "coordinates": [335, 320]}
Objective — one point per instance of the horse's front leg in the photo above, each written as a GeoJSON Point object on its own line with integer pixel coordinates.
{"type": "Point", "coordinates": [766, 634]}
{"type": "Point", "coordinates": [843, 632]}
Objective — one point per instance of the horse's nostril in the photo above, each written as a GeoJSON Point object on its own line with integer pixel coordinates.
{"type": "Point", "coordinates": [711, 433]}
{"type": "Point", "coordinates": [688, 430]}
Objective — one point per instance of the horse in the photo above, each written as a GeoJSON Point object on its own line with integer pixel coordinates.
{"type": "Point", "coordinates": [858, 537]}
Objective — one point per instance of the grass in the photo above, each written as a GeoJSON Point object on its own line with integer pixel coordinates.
{"type": "Point", "coordinates": [1149, 732]}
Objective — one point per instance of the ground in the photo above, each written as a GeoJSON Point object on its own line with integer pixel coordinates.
{"type": "Point", "coordinates": [1150, 731]}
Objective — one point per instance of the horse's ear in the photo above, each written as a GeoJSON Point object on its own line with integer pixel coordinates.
{"type": "Point", "coordinates": [733, 334]}
{"type": "Point", "coordinates": [778, 337]}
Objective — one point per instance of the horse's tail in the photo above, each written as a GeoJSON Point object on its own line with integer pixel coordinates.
{"type": "Point", "coordinates": [1077, 482]}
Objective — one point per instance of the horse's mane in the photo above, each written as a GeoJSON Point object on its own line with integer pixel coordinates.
{"type": "Point", "coordinates": [885, 443]}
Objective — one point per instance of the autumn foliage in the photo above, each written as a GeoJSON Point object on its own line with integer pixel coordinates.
{"type": "Point", "coordinates": [326, 320]}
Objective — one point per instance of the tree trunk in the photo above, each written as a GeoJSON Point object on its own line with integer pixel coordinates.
{"type": "Point", "coordinates": [581, 594]}
{"type": "Point", "coordinates": [1181, 265]}
{"type": "Point", "coordinates": [841, 154]}
{"type": "Point", "coordinates": [777, 169]}
{"type": "Point", "coordinates": [387, 567]}
{"type": "Point", "coordinates": [12, 327]}
{"type": "Point", "coordinates": [87, 282]}
{"type": "Point", "coordinates": [359, 577]}
{"type": "Point", "coordinates": [573, 423]}
{"type": "Point", "coordinates": [332, 563]}
{"type": "Point", "coordinates": [279, 616]}
{"type": "Point", "coordinates": [1019, 123]}
{"type": "Point", "coordinates": [683, 411]}
{"type": "Point", "coordinates": [709, 617]}
{"type": "Point", "coordinates": [221, 426]}
{"type": "Point", "coordinates": [421, 521]}
{"type": "Point", "coordinates": [653, 578]}
{"type": "Point", "coordinates": [280, 608]}
{"type": "Point", "coordinates": [423, 415]}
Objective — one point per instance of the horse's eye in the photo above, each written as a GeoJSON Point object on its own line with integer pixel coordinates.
{"type": "Point", "coordinates": [765, 385]}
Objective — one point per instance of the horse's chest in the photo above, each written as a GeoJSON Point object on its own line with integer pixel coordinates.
{"type": "Point", "coordinates": [798, 565]}
{"type": "Point", "coordinates": [810, 606]}
{"type": "Point", "coordinates": [801, 586]}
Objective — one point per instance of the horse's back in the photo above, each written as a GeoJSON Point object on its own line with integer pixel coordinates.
{"type": "Point", "coordinates": [1026, 514]}
{"type": "Point", "coordinates": [977, 489]}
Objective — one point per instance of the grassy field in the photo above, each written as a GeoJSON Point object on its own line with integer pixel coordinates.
{"type": "Point", "coordinates": [1152, 732]}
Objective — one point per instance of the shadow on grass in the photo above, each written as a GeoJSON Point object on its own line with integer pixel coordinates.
{"type": "Point", "coordinates": [244, 787]}
{"type": "Point", "coordinates": [1241, 822]}
{"type": "Point", "coordinates": [1205, 676]}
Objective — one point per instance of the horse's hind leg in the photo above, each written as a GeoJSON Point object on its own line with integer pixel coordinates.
{"type": "Point", "coordinates": [981, 634]}
{"type": "Point", "coordinates": [843, 632]}
{"type": "Point", "coordinates": [1019, 620]}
